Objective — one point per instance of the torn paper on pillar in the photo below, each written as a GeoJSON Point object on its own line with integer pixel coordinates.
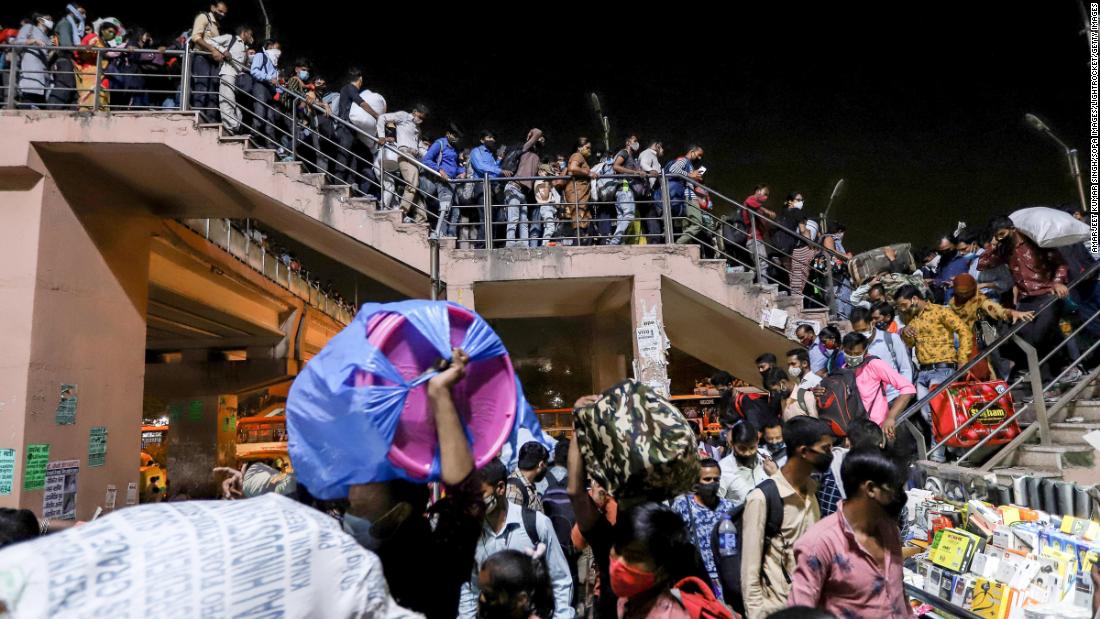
{"type": "Point", "coordinates": [59, 499]}
{"type": "Point", "coordinates": [268, 556]}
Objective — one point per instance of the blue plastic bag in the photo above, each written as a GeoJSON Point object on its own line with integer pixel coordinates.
{"type": "Point", "coordinates": [339, 434]}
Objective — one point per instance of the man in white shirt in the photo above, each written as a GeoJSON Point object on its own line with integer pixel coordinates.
{"type": "Point", "coordinates": [235, 48]}
{"type": "Point", "coordinates": [407, 140]}
{"type": "Point", "coordinates": [650, 162]}
{"type": "Point", "coordinates": [745, 466]}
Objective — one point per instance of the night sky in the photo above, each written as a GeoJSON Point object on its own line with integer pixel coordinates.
{"type": "Point", "coordinates": [919, 107]}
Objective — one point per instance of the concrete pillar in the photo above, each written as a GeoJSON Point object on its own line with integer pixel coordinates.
{"type": "Point", "coordinates": [463, 294]}
{"type": "Point", "coordinates": [648, 333]}
{"type": "Point", "coordinates": [73, 298]}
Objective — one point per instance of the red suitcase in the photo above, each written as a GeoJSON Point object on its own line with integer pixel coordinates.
{"type": "Point", "coordinates": [961, 401]}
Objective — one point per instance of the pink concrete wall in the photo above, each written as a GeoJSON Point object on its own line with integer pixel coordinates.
{"type": "Point", "coordinates": [76, 287]}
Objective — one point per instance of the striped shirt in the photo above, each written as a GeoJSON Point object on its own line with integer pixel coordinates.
{"type": "Point", "coordinates": [683, 166]}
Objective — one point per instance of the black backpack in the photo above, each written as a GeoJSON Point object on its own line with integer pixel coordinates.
{"type": "Point", "coordinates": [755, 407]}
{"type": "Point", "coordinates": [841, 403]}
{"type": "Point", "coordinates": [729, 568]}
{"type": "Point", "coordinates": [510, 161]}
{"type": "Point", "coordinates": [559, 509]}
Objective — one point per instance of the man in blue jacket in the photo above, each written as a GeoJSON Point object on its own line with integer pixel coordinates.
{"type": "Point", "coordinates": [443, 158]}
{"type": "Point", "coordinates": [483, 163]}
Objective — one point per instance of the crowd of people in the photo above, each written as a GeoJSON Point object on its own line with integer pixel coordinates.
{"type": "Point", "coordinates": [790, 516]}
{"type": "Point", "coordinates": [344, 129]}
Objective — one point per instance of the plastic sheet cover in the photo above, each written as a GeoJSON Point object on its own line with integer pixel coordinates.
{"type": "Point", "coordinates": [340, 435]}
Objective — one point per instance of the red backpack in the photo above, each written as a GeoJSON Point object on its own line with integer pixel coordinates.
{"type": "Point", "coordinates": [699, 601]}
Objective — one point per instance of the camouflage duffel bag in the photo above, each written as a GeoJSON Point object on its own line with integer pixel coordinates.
{"type": "Point", "coordinates": [637, 444]}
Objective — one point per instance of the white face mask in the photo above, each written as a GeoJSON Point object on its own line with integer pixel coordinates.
{"type": "Point", "coordinates": [795, 371]}
{"type": "Point", "coordinates": [868, 334]}
{"type": "Point", "coordinates": [47, 25]}
{"type": "Point", "coordinates": [273, 55]}
{"type": "Point", "coordinates": [796, 204]}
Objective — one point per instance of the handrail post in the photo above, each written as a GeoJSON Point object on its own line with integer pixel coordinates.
{"type": "Point", "coordinates": [294, 130]}
{"type": "Point", "coordinates": [666, 208]}
{"type": "Point", "coordinates": [830, 294]}
{"type": "Point", "coordinates": [1036, 379]}
{"type": "Point", "coordinates": [487, 213]}
{"type": "Point", "coordinates": [755, 245]}
{"type": "Point", "coordinates": [185, 79]}
{"type": "Point", "coordinates": [13, 75]}
{"type": "Point", "coordinates": [433, 245]}
{"type": "Point", "coordinates": [98, 86]}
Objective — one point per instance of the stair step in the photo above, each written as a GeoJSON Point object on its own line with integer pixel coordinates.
{"type": "Point", "coordinates": [238, 139]}
{"type": "Point", "coordinates": [787, 302]}
{"type": "Point", "coordinates": [342, 191]}
{"type": "Point", "coordinates": [367, 204]}
{"type": "Point", "coordinates": [262, 154]}
{"type": "Point", "coordinates": [317, 179]}
{"type": "Point", "coordinates": [209, 125]}
{"type": "Point", "coordinates": [739, 277]}
{"type": "Point", "coordinates": [293, 169]}
{"type": "Point", "coordinates": [1062, 433]}
{"type": "Point", "coordinates": [1089, 410]}
{"type": "Point", "coordinates": [1059, 457]}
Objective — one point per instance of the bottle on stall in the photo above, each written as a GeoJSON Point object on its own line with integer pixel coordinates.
{"type": "Point", "coordinates": [727, 537]}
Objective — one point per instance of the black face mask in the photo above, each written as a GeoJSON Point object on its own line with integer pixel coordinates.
{"type": "Point", "coordinates": [745, 461]}
{"type": "Point", "coordinates": [778, 450]}
{"type": "Point", "coordinates": [707, 492]}
{"type": "Point", "coordinates": [882, 326]}
{"type": "Point", "coordinates": [823, 462]}
{"type": "Point", "coordinates": [896, 505]}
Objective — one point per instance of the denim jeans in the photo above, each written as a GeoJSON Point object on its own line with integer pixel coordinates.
{"type": "Point", "coordinates": [547, 214]}
{"type": "Point", "coordinates": [926, 381]}
{"type": "Point", "coordinates": [516, 213]}
{"type": "Point", "coordinates": [624, 209]}
{"type": "Point", "coordinates": [444, 192]}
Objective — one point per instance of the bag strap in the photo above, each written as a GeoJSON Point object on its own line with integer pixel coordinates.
{"type": "Point", "coordinates": [439, 162]}
{"type": "Point", "coordinates": [801, 396]}
{"type": "Point", "coordinates": [773, 524]}
{"type": "Point", "coordinates": [512, 481]}
{"type": "Point", "coordinates": [528, 517]}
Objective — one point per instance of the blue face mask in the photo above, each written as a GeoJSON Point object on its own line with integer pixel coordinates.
{"type": "Point", "coordinates": [303, 75]}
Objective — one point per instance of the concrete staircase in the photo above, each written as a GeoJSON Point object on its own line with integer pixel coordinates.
{"type": "Point", "coordinates": [187, 170]}
{"type": "Point", "coordinates": [1067, 458]}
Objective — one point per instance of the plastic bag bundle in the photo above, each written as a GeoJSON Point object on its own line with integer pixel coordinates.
{"type": "Point", "coordinates": [1050, 227]}
{"type": "Point", "coordinates": [637, 444]}
{"type": "Point", "coordinates": [359, 412]}
{"type": "Point", "coordinates": [263, 557]}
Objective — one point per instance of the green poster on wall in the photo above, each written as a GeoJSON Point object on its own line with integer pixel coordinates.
{"type": "Point", "coordinates": [34, 469]}
{"type": "Point", "coordinates": [97, 446]}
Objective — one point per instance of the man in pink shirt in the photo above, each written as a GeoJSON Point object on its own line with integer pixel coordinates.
{"type": "Point", "coordinates": [849, 563]}
{"type": "Point", "coordinates": [872, 376]}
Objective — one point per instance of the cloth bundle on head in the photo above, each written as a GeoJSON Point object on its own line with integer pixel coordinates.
{"type": "Point", "coordinates": [637, 444]}
{"type": "Point", "coordinates": [345, 408]}
{"type": "Point", "coordinates": [1050, 227]}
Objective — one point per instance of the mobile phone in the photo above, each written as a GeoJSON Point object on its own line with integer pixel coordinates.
{"type": "Point", "coordinates": [703, 170]}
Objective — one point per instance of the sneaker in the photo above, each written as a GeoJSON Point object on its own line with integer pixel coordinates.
{"type": "Point", "coordinates": [1073, 376]}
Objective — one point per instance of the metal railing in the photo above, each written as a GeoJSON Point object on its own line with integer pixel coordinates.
{"type": "Point", "coordinates": [241, 245]}
{"type": "Point", "coordinates": [481, 213]}
{"type": "Point", "coordinates": [1033, 376]}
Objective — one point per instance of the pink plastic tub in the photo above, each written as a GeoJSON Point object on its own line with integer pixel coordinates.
{"type": "Point", "coordinates": [485, 398]}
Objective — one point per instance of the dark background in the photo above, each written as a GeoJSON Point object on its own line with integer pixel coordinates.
{"type": "Point", "coordinates": [919, 107]}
